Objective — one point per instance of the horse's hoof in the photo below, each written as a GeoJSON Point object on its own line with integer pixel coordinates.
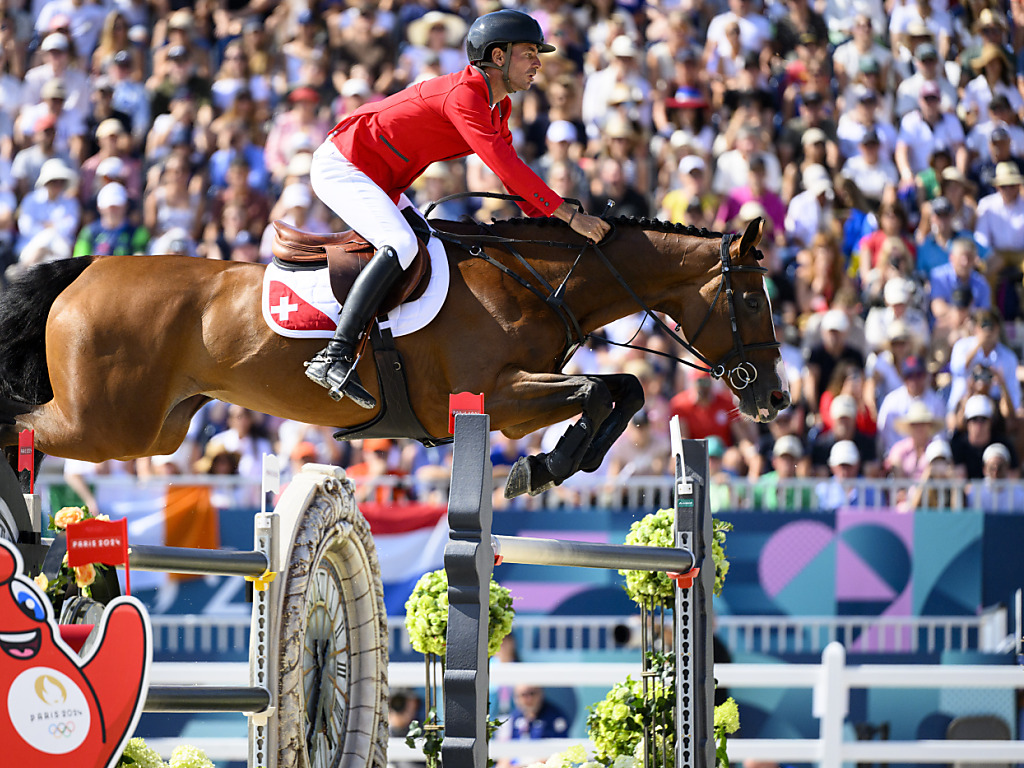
{"type": "Point", "coordinates": [527, 476]}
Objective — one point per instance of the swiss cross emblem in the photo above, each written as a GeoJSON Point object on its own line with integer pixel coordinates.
{"type": "Point", "coordinates": [294, 312]}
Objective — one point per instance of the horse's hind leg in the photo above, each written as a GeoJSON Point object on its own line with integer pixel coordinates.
{"type": "Point", "coordinates": [628, 394]}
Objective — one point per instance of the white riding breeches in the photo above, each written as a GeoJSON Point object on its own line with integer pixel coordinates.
{"type": "Point", "coordinates": [361, 204]}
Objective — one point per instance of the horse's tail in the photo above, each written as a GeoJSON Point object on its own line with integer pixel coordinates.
{"type": "Point", "coordinates": [24, 306]}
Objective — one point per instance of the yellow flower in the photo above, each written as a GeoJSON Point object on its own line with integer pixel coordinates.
{"type": "Point", "coordinates": [67, 516]}
{"type": "Point", "coordinates": [102, 517]}
{"type": "Point", "coordinates": [42, 582]}
{"type": "Point", "coordinates": [84, 575]}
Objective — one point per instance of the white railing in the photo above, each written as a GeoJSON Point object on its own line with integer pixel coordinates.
{"type": "Point", "coordinates": [646, 492]}
{"type": "Point", "coordinates": [203, 634]}
{"type": "Point", "coordinates": [831, 682]}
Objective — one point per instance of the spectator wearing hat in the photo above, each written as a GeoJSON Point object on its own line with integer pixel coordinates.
{"type": "Point", "coordinates": [354, 93]}
{"type": "Point", "coordinates": [924, 129]}
{"type": "Point", "coordinates": [995, 76]}
{"type": "Point", "coordinates": [843, 414]}
{"type": "Point", "coordinates": [247, 436]}
{"type": "Point", "coordinates": [884, 364]}
{"type": "Point", "coordinates": [112, 234]}
{"type": "Point", "coordinates": [705, 408]}
{"type": "Point", "coordinates": [29, 161]}
{"type": "Point", "coordinates": [936, 235]}
{"type": "Point", "coordinates": [969, 443]}
{"type": "Point", "coordinates": [848, 57]}
{"type": "Point", "coordinates": [1000, 226]}
{"type": "Point", "coordinates": [301, 119]}
{"type": "Point", "coordinates": [816, 149]}
{"type": "Point", "coordinates": [57, 63]}
{"type": "Point", "coordinates": [810, 212]}
{"type": "Point", "coordinates": [898, 295]}
{"type": "Point", "coordinates": [985, 379]}
{"type": "Point", "coordinates": [787, 464]}
{"type": "Point", "coordinates": [860, 117]}
{"type": "Point", "coordinates": [295, 207]}
{"type": "Point", "coordinates": [848, 379]}
{"type": "Point", "coordinates": [562, 144]}
{"type": "Point", "coordinates": [69, 125]}
{"type": "Point", "coordinates": [623, 67]}
{"type": "Point", "coordinates": [112, 162]}
{"type": "Point", "coordinates": [1000, 118]}
{"type": "Point", "coordinates": [844, 462]}
{"type": "Point", "coordinates": [928, 70]}
{"type": "Point", "coordinates": [916, 386]}
{"type": "Point", "coordinates": [996, 492]}
{"type": "Point", "coordinates": [434, 34]}
{"type": "Point", "coordinates": [869, 75]}
{"type": "Point", "coordinates": [984, 346]}
{"type": "Point", "coordinates": [872, 171]}
{"type": "Point", "coordinates": [935, 488]}
{"type": "Point", "coordinates": [1000, 151]}
{"type": "Point", "coordinates": [956, 188]}
{"type": "Point", "coordinates": [841, 16]}
{"type": "Point", "coordinates": [130, 95]}
{"type": "Point", "coordinates": [113, 39]}
{"type": "Point", "coordinates": [908, 457]}
{"type": "Point", "coordinates": [959, 273]}
{"type": "Point", "coordinates": [51, 205]}
{"type": "Point", "coordinates": [812, 112]}
{"type": "Point", "coordinates": [83, 18]}
{"type": "Point", "coordinates": [690, 202]}
{"type": "Point", "coordinates": [824, 356]}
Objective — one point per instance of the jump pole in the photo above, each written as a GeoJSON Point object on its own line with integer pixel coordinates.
{"type": "Point", "coordinates": [473, 551]}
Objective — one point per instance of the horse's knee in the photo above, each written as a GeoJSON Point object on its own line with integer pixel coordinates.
{"type": "Point", "coordinates": [598, 402]}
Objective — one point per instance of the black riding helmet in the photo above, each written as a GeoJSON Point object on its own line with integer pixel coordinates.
{"type": "Point", "coordinates": [505, 28]}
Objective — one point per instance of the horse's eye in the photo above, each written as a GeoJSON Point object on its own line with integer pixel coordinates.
{"type": "Point", "coordinates": [753, 301]}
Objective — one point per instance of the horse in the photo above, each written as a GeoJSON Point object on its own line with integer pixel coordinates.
{"type": "Point", "coordinates": [111, 357]}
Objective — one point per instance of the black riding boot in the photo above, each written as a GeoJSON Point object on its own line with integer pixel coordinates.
{"type": "Point", "coordinates": [333, 367]}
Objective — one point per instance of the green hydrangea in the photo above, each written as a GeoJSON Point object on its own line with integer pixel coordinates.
{"type": "Point", "coordinates": [426, 614]}
{"type": "Point", "coordinates": [138, 754]}
{"type": "Point", "coordinates": [190, 757]}
{"type": "Point", "coordinates": [655, 530]}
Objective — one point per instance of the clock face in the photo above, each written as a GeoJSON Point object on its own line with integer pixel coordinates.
{"type": "Point", "coordinates": [326, 660]}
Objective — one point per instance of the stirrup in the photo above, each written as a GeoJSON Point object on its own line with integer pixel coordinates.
{"type": "Point", "coordinates": [342, 384]}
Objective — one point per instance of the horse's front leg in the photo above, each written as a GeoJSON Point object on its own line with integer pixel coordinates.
{"type": "Point", "coordinates": [550, 396]}
{"type": "Point", "coordinates": [628, 394]}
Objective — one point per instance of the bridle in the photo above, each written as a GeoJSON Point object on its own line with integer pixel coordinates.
{"type": "Point", "coordinates": [739, 376]}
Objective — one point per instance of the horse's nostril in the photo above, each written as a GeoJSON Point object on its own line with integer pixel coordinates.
{"type": "Point", "coordinates": [780, 400]}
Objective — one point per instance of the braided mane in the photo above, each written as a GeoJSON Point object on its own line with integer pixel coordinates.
{"type": "Point", "coordinates": [655, 225]}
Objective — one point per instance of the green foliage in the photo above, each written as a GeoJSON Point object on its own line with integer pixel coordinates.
{"type": "Point", "coordinates": [655, 530]}
{"type": "Point", "coordinates": [426, 614]}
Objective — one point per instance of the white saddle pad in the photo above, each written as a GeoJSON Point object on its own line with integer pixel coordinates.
{"type": "Point", "coordinates": [299, 304]}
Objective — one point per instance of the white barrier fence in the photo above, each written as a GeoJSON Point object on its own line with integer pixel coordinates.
{"type": "Point", "coordinates": [639, 492]}
{"type": "Point", "coordinates": [831, 682]}
{"type": "Point", "coordinates": [201, 634]}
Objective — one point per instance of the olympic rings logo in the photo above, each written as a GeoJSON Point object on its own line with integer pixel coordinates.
{"type": "Point", "coordinates": [62, 730]}
{"type": "Point", "coordinates": [743, 375]}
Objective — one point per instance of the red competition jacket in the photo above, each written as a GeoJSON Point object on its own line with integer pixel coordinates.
{"type": "Point", "coordinates": [392, 141]}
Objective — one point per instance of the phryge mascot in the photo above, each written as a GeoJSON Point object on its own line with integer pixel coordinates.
{"type": "Point", "coordinates": [60, 710]}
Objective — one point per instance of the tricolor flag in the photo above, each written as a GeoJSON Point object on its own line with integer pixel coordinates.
{"type": "Point", "coordinates": [410, 540]}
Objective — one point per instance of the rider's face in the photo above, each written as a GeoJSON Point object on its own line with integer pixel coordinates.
{"type": "Point", "coordinates": [524, 66]}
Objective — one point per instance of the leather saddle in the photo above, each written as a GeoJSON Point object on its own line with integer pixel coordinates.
{"type": "Point", "coordinates": [345, 254]}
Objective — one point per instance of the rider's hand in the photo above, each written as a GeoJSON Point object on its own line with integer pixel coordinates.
{"type": "Point", "coordinates": [593, 228]}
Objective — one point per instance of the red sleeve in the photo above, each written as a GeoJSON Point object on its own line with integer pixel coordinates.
{"type": "Point", "coordinates": [471, 115]}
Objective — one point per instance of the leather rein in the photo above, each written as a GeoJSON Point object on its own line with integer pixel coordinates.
{"type": "Point", "coordinates": [740, 375]}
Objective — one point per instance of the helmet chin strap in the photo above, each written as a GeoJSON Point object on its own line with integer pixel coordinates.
{"type": "Point", "coordinates": [503, 68]}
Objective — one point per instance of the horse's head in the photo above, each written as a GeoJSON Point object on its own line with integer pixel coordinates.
{"type": "Point", "coordinates": [726, 315]}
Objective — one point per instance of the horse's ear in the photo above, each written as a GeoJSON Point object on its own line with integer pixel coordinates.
{"type": "Point", "coordinates": [751, 236]}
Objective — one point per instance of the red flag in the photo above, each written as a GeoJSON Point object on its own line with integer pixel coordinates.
{"type": "Point", "coordinates": [26, 455]}
{"type": "Point", "coordinates": [99, 541]}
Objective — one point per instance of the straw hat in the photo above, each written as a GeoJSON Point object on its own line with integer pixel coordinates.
{"type": "Point", "coordinates": [211, 454]}
{"type": "Point", "coordinates": [989, 18]}
{"type": "Point", "coordinates": [918, 413]}
{"type": "Point", "coordinates": [454, 28]}
{"type": "Point", "coordinates": [990, 52]}
{"type": "Point", "coordinates": [1007, 175]}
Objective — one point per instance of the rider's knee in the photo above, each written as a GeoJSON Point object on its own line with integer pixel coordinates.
{"type": "Point", "coordinates": [406, 245]}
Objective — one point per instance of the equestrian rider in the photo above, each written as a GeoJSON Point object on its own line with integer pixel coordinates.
{"type": "Point", "coordinates": [372, 156]}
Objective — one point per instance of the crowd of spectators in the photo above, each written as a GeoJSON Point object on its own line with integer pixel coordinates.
{"type": "Point", "coordinates": [881, 140]}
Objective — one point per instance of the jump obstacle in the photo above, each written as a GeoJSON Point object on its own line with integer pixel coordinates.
{"type": "Point", "coordinates": [316, 533]}
{"type": "Point", "coordinates": [473, 551]}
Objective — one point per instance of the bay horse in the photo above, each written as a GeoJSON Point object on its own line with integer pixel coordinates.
{"type": "Point", "coordinates": [110, 358]}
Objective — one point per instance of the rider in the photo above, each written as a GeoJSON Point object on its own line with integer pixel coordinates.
{"type": "Point", "coordinates": [375, 153]}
